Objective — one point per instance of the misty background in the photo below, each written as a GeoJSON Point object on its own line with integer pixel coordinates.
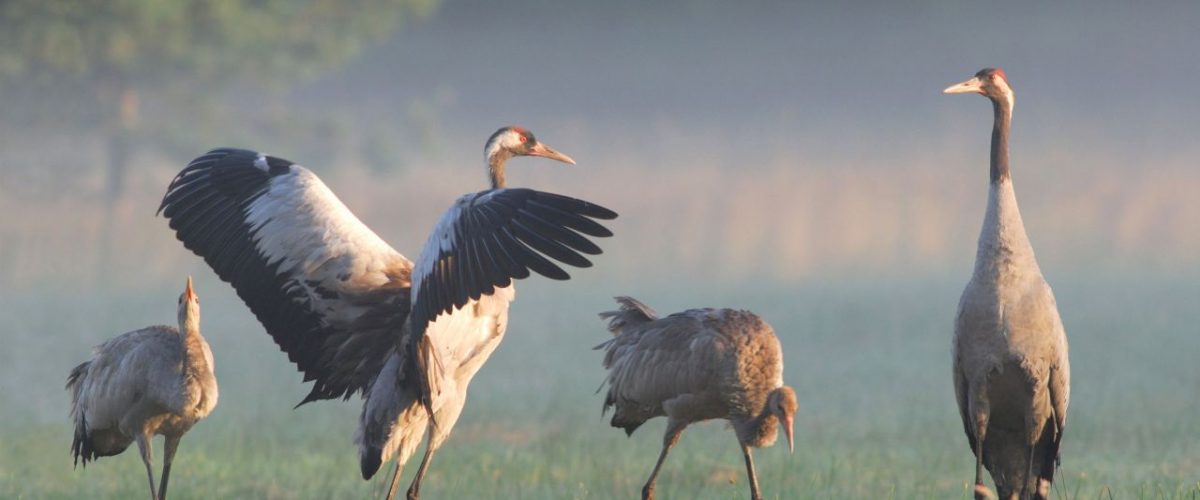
{"type": "Point", "coordinates": [777, 141]}
{"type": "Point", "coordinates": [794, 158]}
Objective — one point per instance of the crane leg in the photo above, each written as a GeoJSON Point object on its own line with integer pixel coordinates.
{"type": "Point", "coordinates": [674, 430]}
{"type": "Point", "coordinates": [170, 444]}
{"type": "Point", "coordinates": [391, 493]}
{"type": "Point", "coordinates": [145, 446]}
{"type": "Point", "coordinates": [1029, 473]}
{"type": "Point", "coordinates": [1032, 488]}
{"type": "Point", "coordinates": [980, 412]}
{"type": "Point", "coordinates": [1050, 460]}
{"type": "Point", "coordinates": [414, 490]}
{"type": "Point", "coordinates": [755, 494]}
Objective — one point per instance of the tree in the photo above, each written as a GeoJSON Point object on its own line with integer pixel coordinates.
{"type": "Point", "coordinates": [105, 59]}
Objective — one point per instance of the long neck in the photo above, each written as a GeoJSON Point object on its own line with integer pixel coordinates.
{"type": "Point", "coordinates": [495, 163]}
{"type": "Point", "coordinates": [1002, 111]}
{"type": "Point", "coordinates": [194, 356]}
{"type": "Point", "coordinates": [1003, 244]}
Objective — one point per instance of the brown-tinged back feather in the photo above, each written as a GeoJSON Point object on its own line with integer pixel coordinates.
{"type": "Point", "coordinates": [723, 361]}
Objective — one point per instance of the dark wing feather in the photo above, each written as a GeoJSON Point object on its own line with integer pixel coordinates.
{"type": "Point", "coordinates": [489, 238]}
{"type": "Point", "coordinates": [484, 241]}
{"type": "Point", "coordinates": [329, 291]}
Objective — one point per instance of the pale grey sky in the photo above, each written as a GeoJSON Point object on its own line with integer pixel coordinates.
{"type": "Point", "coordinates": [859, 77]}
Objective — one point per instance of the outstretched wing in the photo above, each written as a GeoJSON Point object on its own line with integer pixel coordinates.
{"type": "Point", "coordinates": [489, 238]}
{"type": "Point", "coordinates": [486, 240]}
{"type": "Point", "coordinates": [329, 291]}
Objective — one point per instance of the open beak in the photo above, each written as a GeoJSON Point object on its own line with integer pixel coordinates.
{"type": "Point", "coordinates": [188, 293]}
{"type": "Point", "coordinates": [787, 429]}
{"type": "Point", "coordinates": [972, 85]}
{"type": "Point", "coordinates": [545, 151]}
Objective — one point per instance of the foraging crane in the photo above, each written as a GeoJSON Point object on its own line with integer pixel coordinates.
{"type": "Point", "coordinates": [154, 381]}
{"type": "Point", "coordinates": [1012, 377]}
{"type": "Point", "coordinates": [354, 314]}
{"type": "Point", "coordinates": [696, 365]}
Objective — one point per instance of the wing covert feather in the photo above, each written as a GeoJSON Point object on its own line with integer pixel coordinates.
{"type": "Point", "coordinates": [331, 293]}
{"type": "Point", "coordinates": [487, 239]}
{"type": "Point", "coordinates": [653, 362]}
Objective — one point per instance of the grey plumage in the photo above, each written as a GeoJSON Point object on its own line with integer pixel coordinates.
{"type": "Point", "coordinates": [696, 365]}
{"type": "Point", "coordinates": [1011, 370]}
{"type": "Point", "coordinates": [393, 420]}
{"type": "Point", "coordinates": [354, 314]}
{"type": "Point", "coordinates": [153, 381]}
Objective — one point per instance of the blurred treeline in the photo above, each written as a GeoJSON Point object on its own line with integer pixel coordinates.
{"type": "Point", "coordinates": [88, 87]}
{"type": "Point", "coordinates": [770, 141]}
{"type": "Point", "coordinates": [97, 99]}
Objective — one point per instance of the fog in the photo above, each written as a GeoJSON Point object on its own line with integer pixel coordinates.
{"type": "Point", "coordinates": [795, 158]}
{"type": "Point", "coordinates": [770, 138]}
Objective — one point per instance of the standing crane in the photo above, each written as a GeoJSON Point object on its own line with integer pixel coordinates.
{"type": "Point", "coordinates": [154, 381]}
{"type": "Point", "coordinates": [355, 315]}
{"type": "Point", "coordinates": [1012, 377]}
{"type": "Point", "coordinates": [696, 365]}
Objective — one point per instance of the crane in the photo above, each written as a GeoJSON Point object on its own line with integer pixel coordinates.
{"type": "Point", "coordinates": [697, 365]}
{"type": "Point", "coordinates": [153, 381]}
{"type": "Point", "coordinates": [1012, 376]}
{"type": "Point", "coordinates": [355, 315]}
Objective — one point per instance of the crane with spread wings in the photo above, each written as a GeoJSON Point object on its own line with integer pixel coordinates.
{"type": "Point", "coordinates": [355, 315]}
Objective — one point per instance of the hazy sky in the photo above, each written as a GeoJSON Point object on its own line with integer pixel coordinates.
{"type": "Point", "coordinates": [840, 79]}
{"type": "Point", "coordinates": [816, 133]}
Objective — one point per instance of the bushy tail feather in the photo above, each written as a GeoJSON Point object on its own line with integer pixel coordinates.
{"type": "Point", "coordinates": [632, 312]}
{"type": "Point", "coordinates": [81, 444]}
{"type": "Point", "coordinates": [390, 414]}
{"type": "Point", "coordinates": [75, 383]}
{"type": "Point", "coordinates": [1051, 460]}
{"type": "Point", "coordinates": [428, 383]}
{"type": "Point", "coordinates": [369, 461]}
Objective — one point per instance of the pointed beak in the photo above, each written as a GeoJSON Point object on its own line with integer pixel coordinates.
{"type": "Point", "coordinates": [787, 429]}
{"type": "Point", "coordinates": [545, 151]}
{"type": "Point", "coordinates": [972, 85]}
{"type": "Point", "coordinates": [189, 293]}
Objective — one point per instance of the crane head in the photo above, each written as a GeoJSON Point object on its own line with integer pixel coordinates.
{"type": "Point", "coordinates": [189, 293]}
{"type": "Point", "coordinates": [517, 141]}
{"type": "Point", "coordinates": [189, 308]}
{"type": "Point", "coordinates": [783, 404]}
{"type": "Point", "coordinates": [988, 82]}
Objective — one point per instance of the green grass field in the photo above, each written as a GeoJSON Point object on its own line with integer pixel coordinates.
{"type": "Point", "coordinates": [870, 362]}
